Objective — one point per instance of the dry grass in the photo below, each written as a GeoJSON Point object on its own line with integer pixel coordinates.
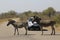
{"type": "Point", "coordinates": [6, 19]}
{"type": "Point", "coordinates": [2, 20]}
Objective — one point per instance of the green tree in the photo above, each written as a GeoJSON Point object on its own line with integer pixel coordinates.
{"type": "Point", "coordinates": [12, 13]}
{"type": "Point", "coordinates": [28, 13]}
{"type": "Point", "coordinates": [49, 12]}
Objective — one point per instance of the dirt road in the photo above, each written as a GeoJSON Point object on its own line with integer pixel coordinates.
{"type": "Point", "coordinates": [6, 33]}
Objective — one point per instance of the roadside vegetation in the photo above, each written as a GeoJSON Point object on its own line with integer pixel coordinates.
{"type": "Point", "coordinates": [47, 14]}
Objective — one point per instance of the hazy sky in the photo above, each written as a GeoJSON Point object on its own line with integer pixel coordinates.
{"type": "Point", "coordinates": [25, 5]}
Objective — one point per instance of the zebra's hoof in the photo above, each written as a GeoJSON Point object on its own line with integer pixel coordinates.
{"type": "Point", "coordinates": [41, 34]}
{"type": "Point", "coordinates": [14, 33]}
{"type": "Point", "coordinates": [51, 34]}
{"type": "Point", "coordinates": [25, 34]}
{"type": "Point", "coordinates": [54, 34]}
{"type": "Point", "coordinates": [17, 34]}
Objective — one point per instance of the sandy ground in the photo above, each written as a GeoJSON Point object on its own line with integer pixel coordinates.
{"type": "Point", "coordinates": [6, 33]}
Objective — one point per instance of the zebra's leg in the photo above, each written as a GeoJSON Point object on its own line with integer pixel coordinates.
{"type": "Point", "coordinates": [52, 30]}
{"type": "Point", "coordinates": [40, 27]}
{"type": "Point", "coordinates": [42, 30]}
{"type": "Point", "coordinates": [14, 31]}
{"type": "Point", "coordinates": [26, 30]}
{"type": "Point", "coordinates": [17, 31]}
